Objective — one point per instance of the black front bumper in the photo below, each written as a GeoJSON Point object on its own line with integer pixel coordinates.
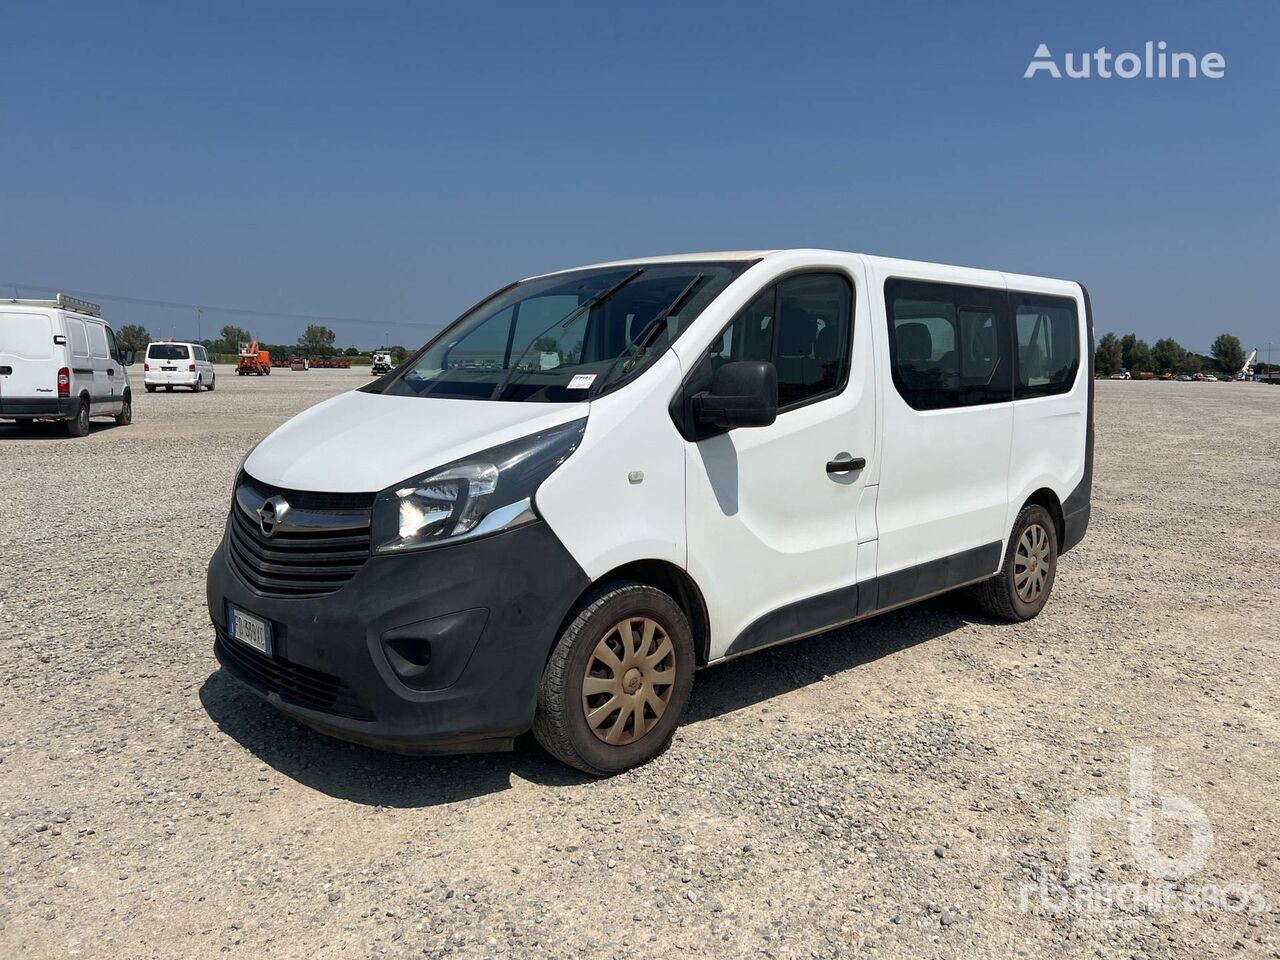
{"type": "Point", "coordinates": [487, 610]}
{"type": "Point", "coordinates": [32, 408]}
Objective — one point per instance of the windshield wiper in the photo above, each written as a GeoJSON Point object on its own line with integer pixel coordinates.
{"type": "Point", "coordinates": [573, 315]}
{"type": "Point", "coordinates": [658, 325]}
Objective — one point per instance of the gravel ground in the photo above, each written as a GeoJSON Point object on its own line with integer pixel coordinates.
{"type": "Point", "coordinates": [885, 790]}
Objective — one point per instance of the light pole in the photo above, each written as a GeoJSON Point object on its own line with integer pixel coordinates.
{"type": "Point", "coordinates": [199, 312]}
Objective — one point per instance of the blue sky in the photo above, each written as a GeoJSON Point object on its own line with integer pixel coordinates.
{"type": "Point", "coordinates": [397, 161]}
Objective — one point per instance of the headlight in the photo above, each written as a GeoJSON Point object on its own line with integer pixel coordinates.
{"type": "Point", "coordinates": [477, 495]}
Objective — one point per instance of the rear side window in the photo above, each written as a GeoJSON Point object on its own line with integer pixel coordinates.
{"type": "Point", "coordinates": [79, 339]}
{"type": "Point", "coordinates": [803, 325]}
{"type": "Point", "coordinates": [98, 341]}
{"type": "Point", "coordinates": [1048, 331]}
{"type": "Point", "coordinates": [200, 354]}
{"type": "Point", "coordinates": [948, 344]}
{"type": "Point", "coordinates": [167, 351]}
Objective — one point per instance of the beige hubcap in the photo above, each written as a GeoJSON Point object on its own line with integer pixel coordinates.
{"type": "Point", "coordinates": [629, 680]}
{"type": "Point", "coordinates": [1032, 563]}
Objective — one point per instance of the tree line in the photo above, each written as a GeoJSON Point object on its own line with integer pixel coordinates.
{"type": "Point", "coordinates": [316, 341]}
{"type": "Point", "coordinates": [1129, 352]}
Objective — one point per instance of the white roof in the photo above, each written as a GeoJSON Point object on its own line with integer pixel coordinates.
{"type": "Point", "coordinates": [892, 263]}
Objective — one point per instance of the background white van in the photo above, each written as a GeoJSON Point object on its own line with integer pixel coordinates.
{"type": "Point", "coordinates": [59, 361]}
{"type": "Point", "coordinates": [171, 364]}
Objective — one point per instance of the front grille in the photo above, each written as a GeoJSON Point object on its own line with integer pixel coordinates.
{"type": "Point", "coordinates": [293, 683]}
{"type": "Point", "coordinates": [292, 563]}
{"type": "Point", "coordinates": [311, 499]}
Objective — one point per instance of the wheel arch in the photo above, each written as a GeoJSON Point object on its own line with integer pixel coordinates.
{"type": "Point", "coordinates": [662, 575]}
{"type": "Point", "coordinates": [1046, 498]}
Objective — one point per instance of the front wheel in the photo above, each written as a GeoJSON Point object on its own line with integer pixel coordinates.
{"type": "Point", "coordinates": [617, 682]}
{"type": "Point", "coordinates": [125, 416]}
{"type": "Point", "coordinates": [213, 382]}
{"type": "Point", "coordinates": [1021, 588]}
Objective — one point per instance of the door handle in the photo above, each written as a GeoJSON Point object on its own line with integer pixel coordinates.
{"type": "Point", "coordinates": [110, 372]}
{"type": "Point", "coordinates": [5, 371]}
{"type": "Point", "coordinates": [846, 466]}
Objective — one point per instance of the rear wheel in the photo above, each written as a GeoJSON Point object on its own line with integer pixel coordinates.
{"type": "Point", "coordinates": [198, 385]}
{"type": "Point", "coordinates": [168, 388]}
{"type": "Point", "coordinates": [151, 388]}
{"type": "Point", "coordinates": [78, 426]}
{"type": "Point", "coordinates": [125, 416]}
{"type": "Point", "coordinates": [1021, 588]}
{"type": "Point", "coordinates": [617, 682]}
{"type": "Point", "coordinates": [213, 382]}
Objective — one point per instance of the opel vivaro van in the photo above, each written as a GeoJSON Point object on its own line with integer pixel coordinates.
{"type": "Point", "coordinates": [59, 361]}
{"type": "Point", "coordinates": [600, 480]}
{"type": "Point", "coordinates": [171, 364]}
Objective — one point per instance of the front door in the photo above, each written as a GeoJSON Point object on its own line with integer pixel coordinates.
{"type": "Point", "coordinates": [771, 511]}
{"type": "Point", "coordinates": [101, 393]}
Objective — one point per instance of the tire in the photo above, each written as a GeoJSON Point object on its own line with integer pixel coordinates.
{"type": "Point", "coordinates": [213, 382]}
{"type": "Point", "coordinates": [198, 385]}
{"type": "Point", "coordinates": [1021, 588]}
{"type": "Point", "coordinates": [125, 416]}
{"type": "Point", "coordinates": [151, 388]}
{"type": "Point", "coordinates": [78, 426]}
{"type": "Point", "coordinates": [560, 721]}
{"type": "Point", "coordinates": [168, 388]}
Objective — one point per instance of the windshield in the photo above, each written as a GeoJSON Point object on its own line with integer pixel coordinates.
{"type": "Point", "coordinates": [167, 351]}
{"type": "Point", "coordinates": [568, 336]}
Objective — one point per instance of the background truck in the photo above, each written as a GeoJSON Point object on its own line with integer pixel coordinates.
{"type": "Point", "coordinates": [253, 360]}
{"type": "Point", "coordinates": [381, 363]}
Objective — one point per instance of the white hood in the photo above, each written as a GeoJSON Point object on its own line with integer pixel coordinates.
{"type": "Point", "coordinates": [364, 442]}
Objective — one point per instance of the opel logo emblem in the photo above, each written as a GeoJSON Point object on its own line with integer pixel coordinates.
{"type": "Point", "coordinates": [270, 515]}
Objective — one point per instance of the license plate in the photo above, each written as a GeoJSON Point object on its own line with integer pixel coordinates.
{"type": "Point", "coordinates": [168, 369]}
{"type": "Point", "coordinates": [249, 629]}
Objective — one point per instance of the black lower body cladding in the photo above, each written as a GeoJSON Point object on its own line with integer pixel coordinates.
{"type": "Point", "coordinates": [24, 408]}
{"type": "Point", "coordinates": [437, 650]}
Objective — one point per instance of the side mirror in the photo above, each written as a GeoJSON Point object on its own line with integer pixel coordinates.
{"type": "Point", "coordinates": [128, 359]}
{"type": "Point", "coordinates": [743, 394]}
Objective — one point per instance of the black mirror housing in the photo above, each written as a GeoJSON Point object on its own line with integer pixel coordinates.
{"type": "Point", "coordinates": [743, 393]}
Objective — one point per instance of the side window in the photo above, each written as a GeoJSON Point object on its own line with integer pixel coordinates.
{"type": "Point", "coordinates": [112, 350]}
{"type": "Point", "coordinates": [949, 344]}
{"type": "Point", "coordinates": [808, 343]}
{"type": "Point", "coordinates": [201, 354]}
{"type": "Point", "coordinates": [79, 341]}
{"type": "Point", "coordinates": [1048, 332]}
{"type": "Point", "coordinates": [98, 341]}
{"type": "Point", "coordinates": [815, 320]}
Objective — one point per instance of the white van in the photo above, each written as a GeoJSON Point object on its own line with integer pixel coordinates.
{"type": "Point", "coordinates": [169, 364]}
{"type": "Point", "coordinates": [59, 361]}
{"type": "Point", "coordinates": [597, 481]}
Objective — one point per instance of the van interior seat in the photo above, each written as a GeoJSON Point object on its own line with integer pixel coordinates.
{"type": "Point", "coordinates": [796, 338]}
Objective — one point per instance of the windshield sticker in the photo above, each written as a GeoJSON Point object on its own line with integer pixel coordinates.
{"type": "Point", "coordinates": [582, 381]}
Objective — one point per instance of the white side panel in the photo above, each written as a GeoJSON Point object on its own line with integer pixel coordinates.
{"type": "Point", "coordinates": [1049, 432]}
{"type": "Point", "coordinates": [943, 473]}
{"type": "Point", "coordinates": [601, 516]}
